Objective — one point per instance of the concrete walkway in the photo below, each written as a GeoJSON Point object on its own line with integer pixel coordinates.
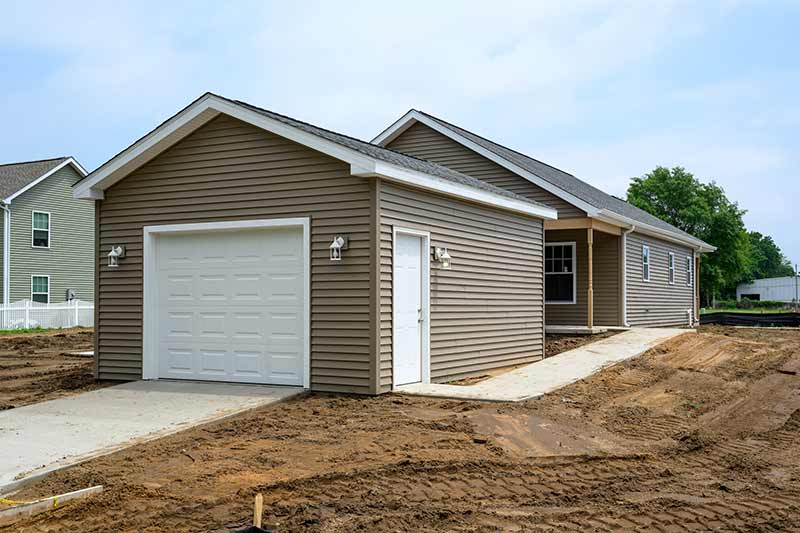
{"type": "Point", "coordinates": [41, 438]}
{"type": "Point", "coordinates": [554, 372]}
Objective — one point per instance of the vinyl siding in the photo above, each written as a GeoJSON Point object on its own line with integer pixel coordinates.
{"type": "Point", "coordinates": [229, 170]}
{"type": "Point", "coordinates": [426, 143]}
{"type": "Point", "coordinates": [69, 260]}
{"type": "Point", "coordinates": [656, 302]}
{"type": "Point", "coordinates": [486, 312]}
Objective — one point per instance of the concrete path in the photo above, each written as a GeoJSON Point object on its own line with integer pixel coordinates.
{"type": "Point", "coordinates": [554, 372]}
{"type": "Point", "coordinates": [40, 438]}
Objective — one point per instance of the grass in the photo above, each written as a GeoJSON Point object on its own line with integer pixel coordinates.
{"type": "Point", "coordinates": [33, 330]}
{"type": "Point", "coordinates": [735, 310]}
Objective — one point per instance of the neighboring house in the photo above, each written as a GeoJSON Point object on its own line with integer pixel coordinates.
{"type": "Point", "coordinates": [261, 249]}
{"type": "Point", "coordinates": [47, 235]}
{"type": "Point", "coordinates": [784, 289]}
{"type": "Point", "coordinates": [607, 263]}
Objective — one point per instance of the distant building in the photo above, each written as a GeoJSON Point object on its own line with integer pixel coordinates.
{"type": "Point", "coordinates": [775, 289]}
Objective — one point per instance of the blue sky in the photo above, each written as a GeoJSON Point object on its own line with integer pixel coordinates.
{"type": "Point", "coordinates": [604, 89]}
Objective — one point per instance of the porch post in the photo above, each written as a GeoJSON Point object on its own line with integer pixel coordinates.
{"type": "Point", "coordinates": [590, 299]}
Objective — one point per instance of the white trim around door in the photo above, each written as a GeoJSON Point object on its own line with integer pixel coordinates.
{"type": "Point", "coordinates": [150, 316]}
{"type": "Point", "coordinates": [425, 300]}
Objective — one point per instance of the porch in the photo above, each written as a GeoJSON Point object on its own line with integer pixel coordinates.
{"type": "Point", "coordinates": [584, 265]}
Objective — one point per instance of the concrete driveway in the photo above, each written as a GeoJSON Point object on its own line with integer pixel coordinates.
{"type": "Point", "coordinates": [40, 438]}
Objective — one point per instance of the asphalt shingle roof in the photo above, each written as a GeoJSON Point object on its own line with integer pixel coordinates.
{"type": "Point", "coordinates": [390, 156]}
{"type": "Point", "coordinates": [15, 176]}
{"type": "Point", "coordinates": [564, 181]}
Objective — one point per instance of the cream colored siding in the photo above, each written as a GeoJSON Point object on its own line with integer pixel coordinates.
{"type": "Point", "coordinates": [228, 170]}
{"type": "Point", "coordinates": [656, 302]}
{"type": "Point", "coordinates": [426, 143]}
{"type": "Point", "coordinates": [486, 312]}
{"type": "Point", "coordinates": [68, 261]}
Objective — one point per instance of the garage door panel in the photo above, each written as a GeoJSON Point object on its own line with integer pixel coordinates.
{"type": "Point", "coordinates": [231, 306]}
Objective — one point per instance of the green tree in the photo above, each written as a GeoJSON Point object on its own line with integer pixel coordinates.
{"type": "Point", "coordinates": [703, 210]}
{"type": "Point", "coordinates": [766, 259]}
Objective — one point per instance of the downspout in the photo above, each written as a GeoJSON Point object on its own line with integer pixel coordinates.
{"type": "Point", "coordinates": [6, 207]}
{"type": "Point", "coordinates": [625, 275]}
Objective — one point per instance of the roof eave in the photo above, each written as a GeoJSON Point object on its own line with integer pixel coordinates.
{"type": "Point", "coordinates": [641, 227]}
{"type": "Point", "coordinates": [68, 161]}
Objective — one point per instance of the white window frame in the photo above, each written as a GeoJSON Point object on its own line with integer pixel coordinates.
{"type": "Point", "coordinates": [48, 286]}
{"type": "Point", "coordinates": [646, 262]}
{"type": "Point", "coordinates": [49, 227]}
{"type": "Point", "coordinates": [671, 268]}
{"type": "Point", "coordinates": [689, 271]}
{"type": "Point", "coordinates": [572, 244]}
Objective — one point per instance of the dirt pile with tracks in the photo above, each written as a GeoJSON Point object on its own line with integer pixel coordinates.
{"type": "Point", "coordinates": [38, 366]}
{"type": "Point", "coordinates": [701, 433]}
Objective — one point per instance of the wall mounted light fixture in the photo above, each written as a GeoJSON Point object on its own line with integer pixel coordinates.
{"type": "Point", "coordinates": [340, 242]}
{"type": "Point", "coordinates": [116, 253]}
{"type": "Point", "coordinates": [441, 255]}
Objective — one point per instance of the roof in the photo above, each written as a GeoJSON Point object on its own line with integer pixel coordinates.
{"type": "Point", "coordinates": [556, 178]}
{"type": "Point", "coordinates": [366, 159]}
{"type": "Point", "coordinates": [391, 156]}
{"type": "Point", "coordinates": [16, 176]}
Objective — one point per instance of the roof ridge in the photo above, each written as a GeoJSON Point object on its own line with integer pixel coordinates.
{"type": "Point", "coordinates": [35, 161]}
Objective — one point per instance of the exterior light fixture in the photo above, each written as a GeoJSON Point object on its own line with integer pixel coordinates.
{"type": "Point", "coordinates": [116, 253]}
{"type": "Point", "coordinates": [339, 243]}
{"type": "Point", "coordinates": [441, 255]}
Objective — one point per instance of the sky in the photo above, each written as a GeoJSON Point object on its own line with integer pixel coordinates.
{"type": "Point", "coordinates": [606, 90]}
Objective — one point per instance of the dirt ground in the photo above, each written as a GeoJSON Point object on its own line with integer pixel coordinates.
{"type": "Point", "coordinates": [37, 366]}
{"type": "Point", "coordinates": [701, 433]}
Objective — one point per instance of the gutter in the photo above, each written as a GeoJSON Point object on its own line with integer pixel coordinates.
{"type": "Point", "coordinates": [625, 275]}
{"type": "Point", "coordinates": [696, 244]}
{"type": "Point", "coordinates": [6, 207]}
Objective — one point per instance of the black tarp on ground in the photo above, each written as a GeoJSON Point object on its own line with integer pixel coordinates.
{"type": "Point", "coordinates": [752, 319]}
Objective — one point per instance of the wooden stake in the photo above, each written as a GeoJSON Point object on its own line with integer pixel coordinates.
{"type": "Point", "coordinates": [258, 510]}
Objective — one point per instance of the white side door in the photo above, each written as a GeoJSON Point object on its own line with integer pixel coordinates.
{"type": "Point", "coordinates": [408, 312]}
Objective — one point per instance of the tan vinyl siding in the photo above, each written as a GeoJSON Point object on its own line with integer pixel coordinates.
{"type": "Point", "coordinates": [486, 312]}
{"type": "Point", "coordinates": [229, 170]}
{"type": "Point", "coordinates": [69, 260]}
{"type": "Point", "coordinates": [656, 302]}
{"type": "Point", "coordinates": [426, 143]}
{"type": "Point", "coordinates": [606, 282]}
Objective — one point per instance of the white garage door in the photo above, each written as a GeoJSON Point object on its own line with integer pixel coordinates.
{"type": "Point", "coordinates": [230, 305]}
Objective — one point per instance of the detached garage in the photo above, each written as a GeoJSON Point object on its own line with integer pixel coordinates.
{"type": "Point", "coordinates": [235, 244]}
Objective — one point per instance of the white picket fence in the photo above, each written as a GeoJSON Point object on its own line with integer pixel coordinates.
{"type": "Point", "coordinates": [26, 314]}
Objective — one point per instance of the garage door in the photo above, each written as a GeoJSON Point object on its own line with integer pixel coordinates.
{"type": "Point", "coordinates": [230, 305]}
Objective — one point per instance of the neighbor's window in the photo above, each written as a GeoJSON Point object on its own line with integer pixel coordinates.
{"type": "Point", "coordinates": [41, 229]}
{"type": "Point", "coordinates": [645, 263]}
{"type": "Point", "coordinates": [559, 273]}
{"type": "Point", "coordinates": [40, 289]}
{"type": "Point", "coordinates": [689, 271]}
{"type": "Point", "coordinates": [671, 268]}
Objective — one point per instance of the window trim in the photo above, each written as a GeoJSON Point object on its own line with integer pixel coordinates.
{"type": "Point", "coordinates": [646, 274]}
{"type": "Point", "coordinates": [49, 228]}
{"type": "Point", "coordinates": [671, 268]}
{"type": "Point", "coordinates": [572, 244]}
{"type": "Point", "coordinates": [47, 276]}
{"type": "Point", "coordinates": [689, 271]}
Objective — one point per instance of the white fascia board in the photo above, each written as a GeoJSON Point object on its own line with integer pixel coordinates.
{"type": "Point", "coordinates": [37, 181]}
{"type": "Point", "coordinates": [425, 181]}
{"type": "Point", "coordinates": [647, 229]}
{"type": "Point", "coordinates": [414, 116]}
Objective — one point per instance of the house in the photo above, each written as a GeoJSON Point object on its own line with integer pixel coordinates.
{"type": "Point", "coordinates": [607, 263]}
{"type": "Point", "coordinates": [240, 245]}
{"type": "Point", "coordinates": [47, 235]}
{"type": "Point", "coordinates": [784, 289]}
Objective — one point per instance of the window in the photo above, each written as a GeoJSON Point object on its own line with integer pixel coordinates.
{"type": "Point", "coordinates": [559, 273]}
{"type": "Point", "coordinates": [671, 268]}
{"type": "Point", "coordinates": [645, 263]}
{"type": "Point", "coordinates": [41, 229]}
{"type": "Point", "coordinates": [689, 271]}
{"type": "Point", "coordinates": [40, 289]}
